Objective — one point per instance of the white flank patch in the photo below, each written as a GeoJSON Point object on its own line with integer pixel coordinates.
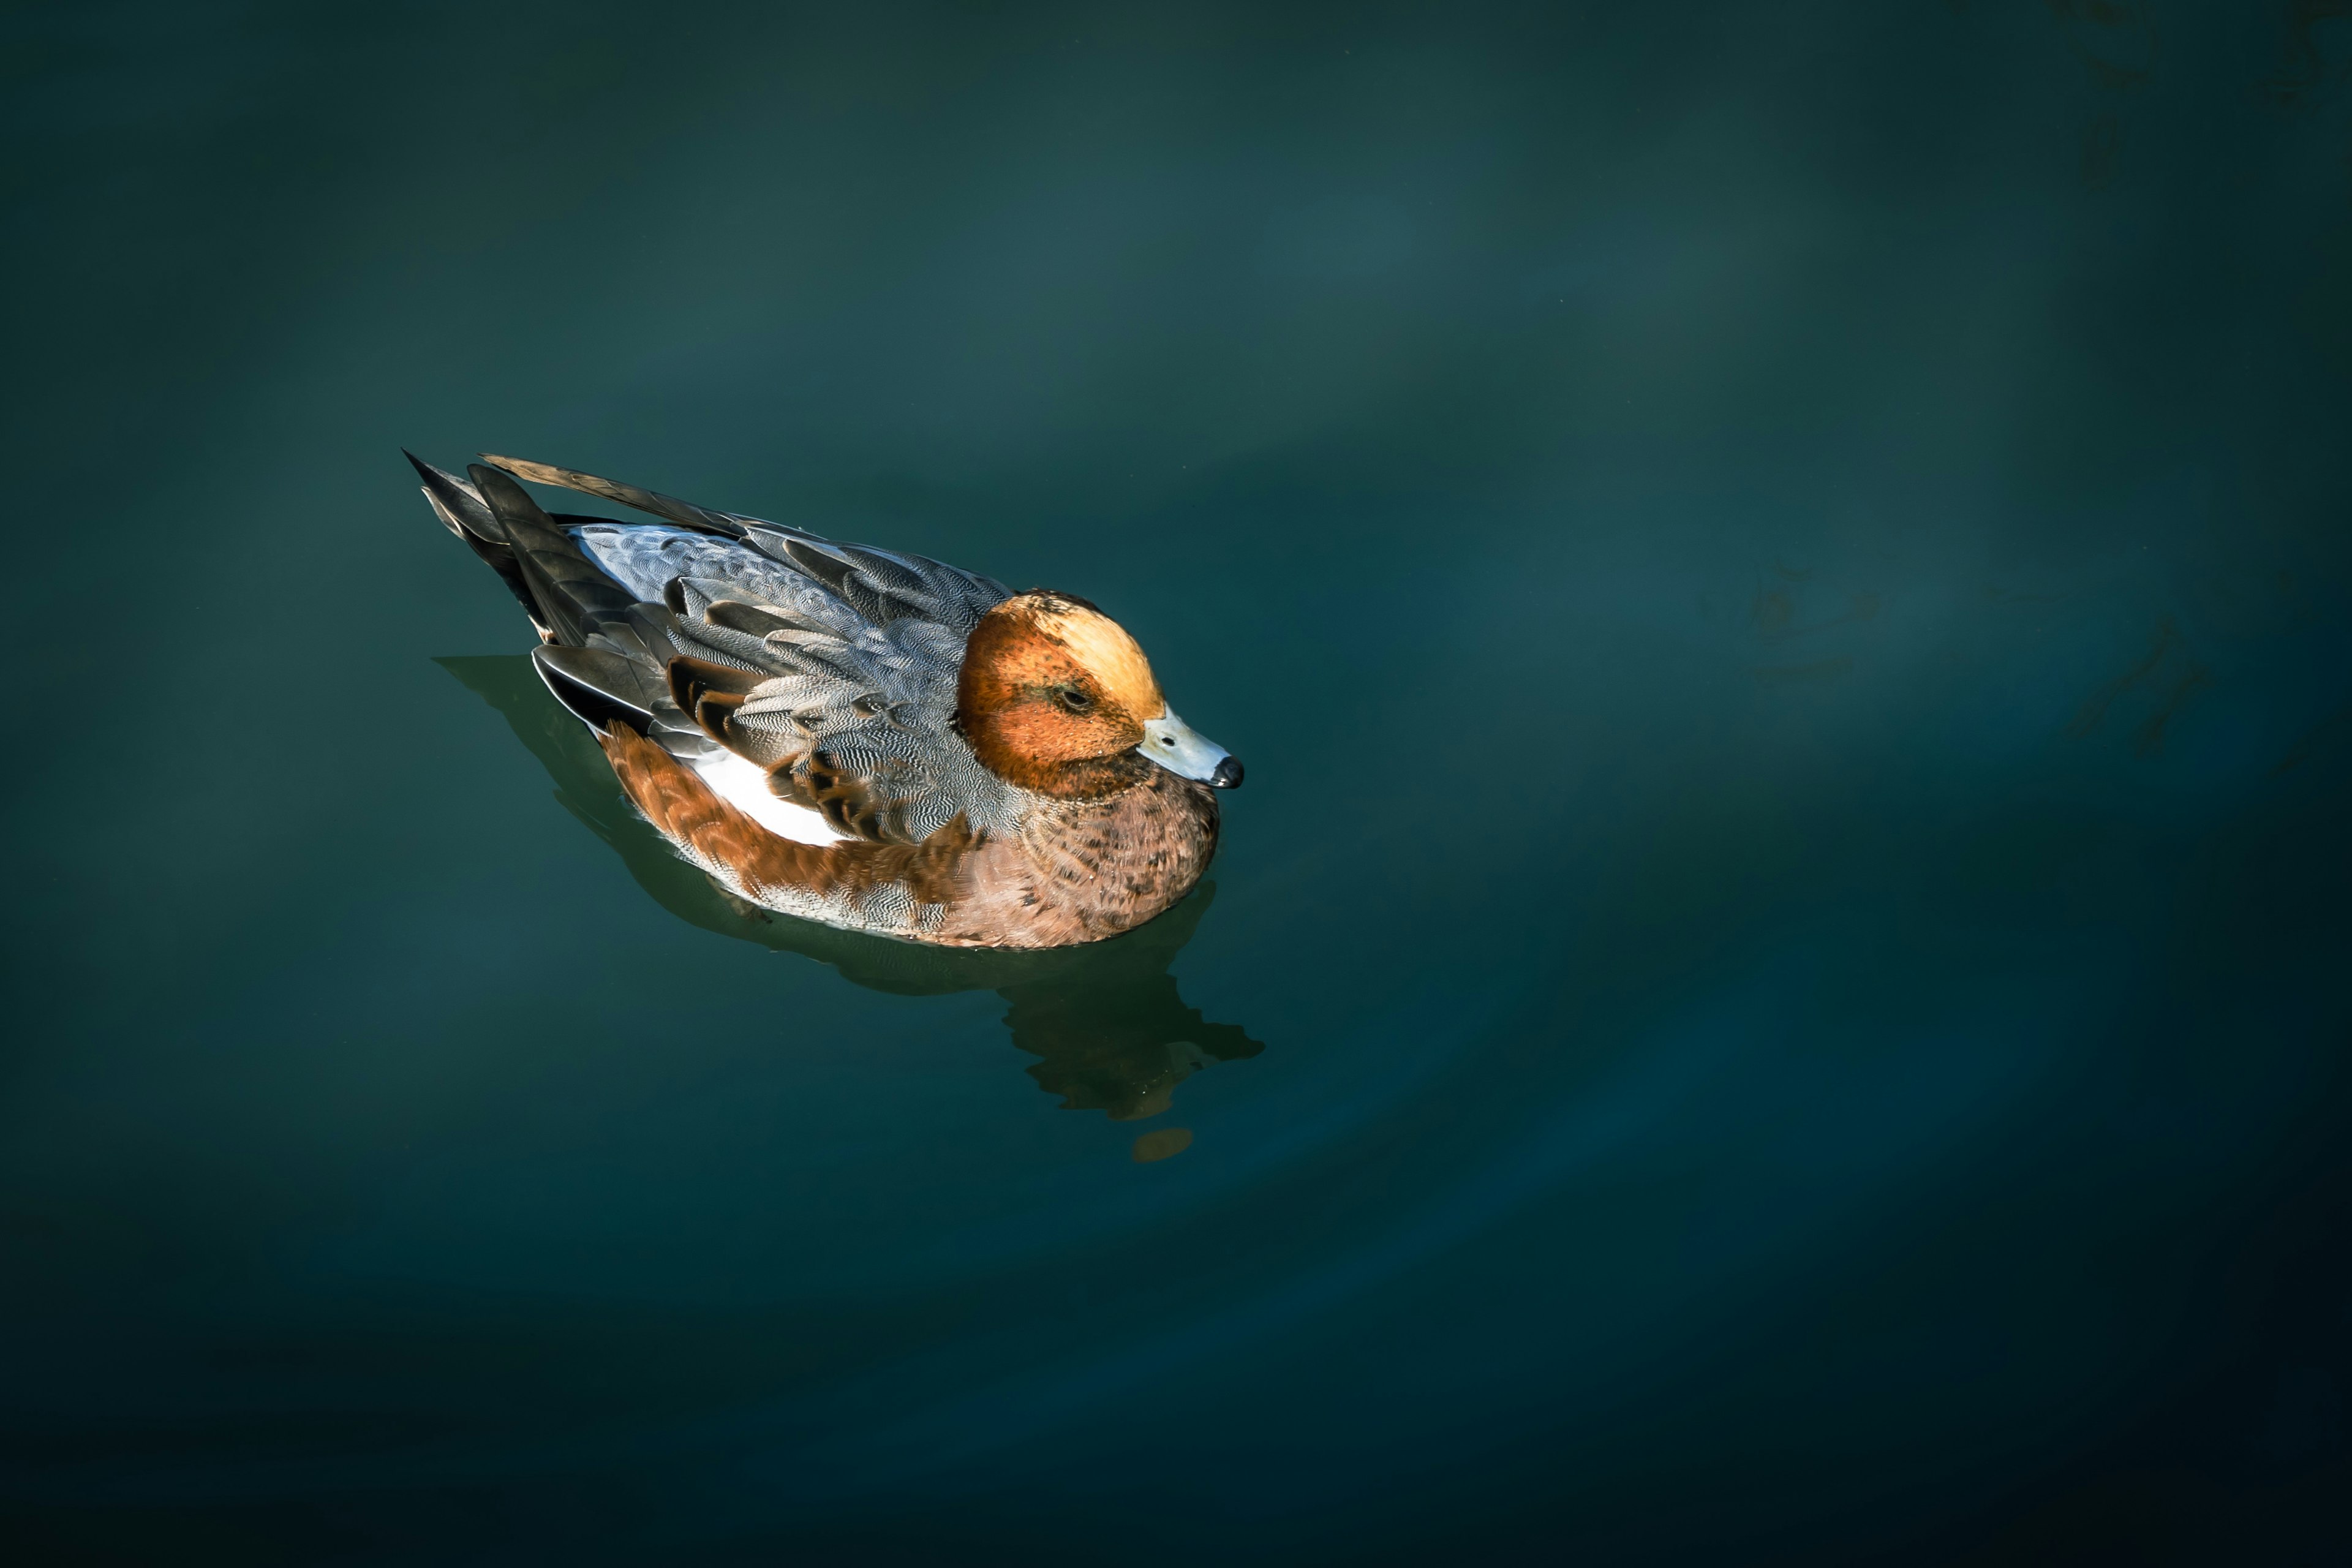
{"type": "Point", "coordinates": [745, 787]}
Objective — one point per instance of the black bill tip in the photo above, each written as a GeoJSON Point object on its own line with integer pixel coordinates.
{"type": "Point", "coordinates": [1228, 774]}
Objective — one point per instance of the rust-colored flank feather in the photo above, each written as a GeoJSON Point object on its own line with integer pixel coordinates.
{"type": "Point", "coordinates": [856, 736]}
{"type": "Point", "coordinates": [761, 864]}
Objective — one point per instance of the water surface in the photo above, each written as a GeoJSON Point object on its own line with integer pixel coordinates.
{"type": "Point", "coordinates": [1776, 991]}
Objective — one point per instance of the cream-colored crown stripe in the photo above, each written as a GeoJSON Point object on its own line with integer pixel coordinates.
{"type": "Point", "coordinates": [1105, 650]}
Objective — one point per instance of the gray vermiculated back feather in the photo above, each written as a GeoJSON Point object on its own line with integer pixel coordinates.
{"type": "Point", "coordinates": [861, 649]}
{"type": "Point", "coordinates": [645, 558]}
{"type": "Point", "coordinates": [856, 648]}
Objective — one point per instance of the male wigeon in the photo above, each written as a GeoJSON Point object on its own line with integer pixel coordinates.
{"type": "Point", "coordinates": [851, 735]}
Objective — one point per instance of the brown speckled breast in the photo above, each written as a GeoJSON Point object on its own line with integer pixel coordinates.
{"type": "Point", "coordinates": [1077, 872]}
{"type": "Point", "coordinates": [1096, 867]}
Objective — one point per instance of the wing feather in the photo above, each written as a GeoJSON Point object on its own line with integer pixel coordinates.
{"type": "Point", "coordinates": [830, 666]}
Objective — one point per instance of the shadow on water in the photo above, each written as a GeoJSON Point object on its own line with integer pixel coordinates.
{"type": "Point", "coordinates": [1110, 1030]}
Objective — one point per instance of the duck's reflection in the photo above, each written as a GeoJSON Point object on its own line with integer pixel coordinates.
{"type": "Point", "coordinates": [1106, 1021]}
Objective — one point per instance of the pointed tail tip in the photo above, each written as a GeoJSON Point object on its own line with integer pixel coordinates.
{"type": "Point", "coordinates": [426, 471]}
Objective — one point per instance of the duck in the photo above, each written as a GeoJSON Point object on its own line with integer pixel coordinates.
{"type": "Point", "coordinates": [860, 737]}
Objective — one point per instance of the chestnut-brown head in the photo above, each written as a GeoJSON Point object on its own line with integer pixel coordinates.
{"type": "Point", "coordinates": [1055, 696]}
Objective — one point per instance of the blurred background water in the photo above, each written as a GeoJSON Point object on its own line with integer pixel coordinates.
{"type": "Point", "coordinates": [1778, 988]}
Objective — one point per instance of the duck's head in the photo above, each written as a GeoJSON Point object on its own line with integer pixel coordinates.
{"type": "Point", "coordinates": [1055, 696]}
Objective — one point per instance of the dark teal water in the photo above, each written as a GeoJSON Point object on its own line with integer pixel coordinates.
{"type": "Point", "coordinates": [1778, 990]}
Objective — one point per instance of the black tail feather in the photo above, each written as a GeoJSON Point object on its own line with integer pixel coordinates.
{"type": "Point", "coordinates": [463, 513]}
{"type": "Point", "coordinates": [460, 506]}
{"type": "Point", "coordinates": [572, 593]}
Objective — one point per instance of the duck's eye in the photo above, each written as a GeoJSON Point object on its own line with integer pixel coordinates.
{"type": "Point", "coordinates": [1074, 698]}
